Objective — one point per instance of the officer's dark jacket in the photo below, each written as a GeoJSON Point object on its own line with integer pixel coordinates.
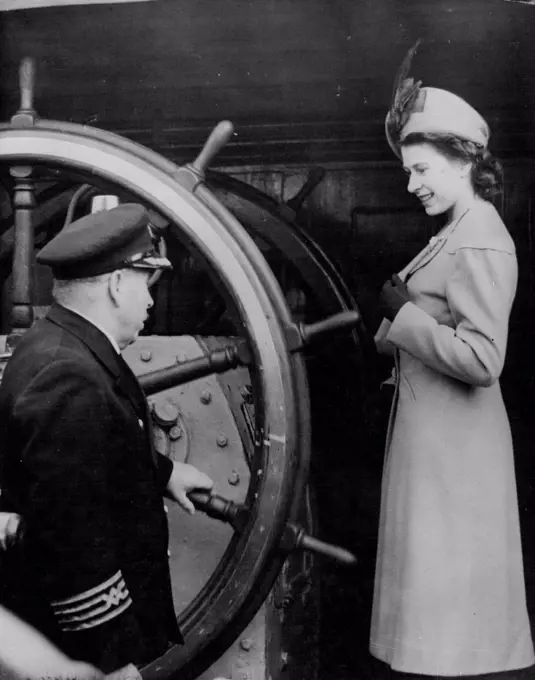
{"type": "Point", "coordinates": [77, 462]}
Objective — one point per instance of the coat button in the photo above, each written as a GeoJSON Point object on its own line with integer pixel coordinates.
{"type": "Point", "coordinates": [140, 422]}
{"type": "Point", "coordinates": [168, 552]}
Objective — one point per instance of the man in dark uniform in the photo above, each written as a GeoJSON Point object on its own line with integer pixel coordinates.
{"type": "Point", "coordinates": [78, 462]}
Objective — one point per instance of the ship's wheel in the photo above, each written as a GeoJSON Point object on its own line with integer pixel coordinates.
{"type": "Point", "coordinates": [267, 343]}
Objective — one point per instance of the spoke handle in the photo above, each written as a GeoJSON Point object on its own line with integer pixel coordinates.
{"type": "Point", "coordinates": [218, 138]}
{"type": "Point", "coordinates": [295, 538]}
{"type": "Point", "coordinates": [26, 115]}
{"type": "Point", "coordinates": [219, 508]}
{"type": "Point", "coordinates": [218, 361]}
{"type": "Point", "coordinates": [342, 321]}
{"type": "Point", "coordinates": [300, 335]}
{"type": "Point", "coordinates": [314, 178]}
{"type": "Point", "coordinates": [335, 552]}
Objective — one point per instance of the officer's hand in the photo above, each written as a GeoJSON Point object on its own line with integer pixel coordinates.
{"type": "Point", "coordinates": [186, 478]}
{"type": "Point", "coordinates": [11, 528]}
{"type": "Point", "coordinates": [129, 672]}
{"type": "Point", "coordinates": [78, 670]}
{"type": "Point", "coordinates": [394, 295]}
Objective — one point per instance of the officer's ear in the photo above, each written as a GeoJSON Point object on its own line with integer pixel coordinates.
{"type": "Point", "coordinates": [115, 286]}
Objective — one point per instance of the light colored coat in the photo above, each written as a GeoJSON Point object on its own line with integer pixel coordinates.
{"type": "Point", "coordinates": [449, 593]}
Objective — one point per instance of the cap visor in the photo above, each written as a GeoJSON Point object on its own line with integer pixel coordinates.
{"type": "Point", "coordinates": [151, 263]}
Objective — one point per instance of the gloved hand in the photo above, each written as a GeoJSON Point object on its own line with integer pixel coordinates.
{"type": "Point", "coordinates": [394, 294]}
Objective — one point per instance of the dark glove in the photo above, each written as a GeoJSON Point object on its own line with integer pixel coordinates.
{"type": "Point", "coordinates": [394, 295]}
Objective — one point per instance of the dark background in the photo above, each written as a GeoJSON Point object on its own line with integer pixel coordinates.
{"type": "Point", "coordinates": [303, 80]}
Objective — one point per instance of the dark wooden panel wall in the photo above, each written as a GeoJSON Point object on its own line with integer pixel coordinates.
{"type": "Point", "coordinates": [304, 80]}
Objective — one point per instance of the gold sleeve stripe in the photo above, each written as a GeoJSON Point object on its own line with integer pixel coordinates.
{"type": "Point", "coordinates": [70, 627]}
{"type": "Point", "coordinates": [93, 607]}
{"type": "Point", "coordinates": [88, 593]}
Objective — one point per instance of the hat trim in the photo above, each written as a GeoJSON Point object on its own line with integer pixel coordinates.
{"type": "Point", "coordinates": [148, 262]}
{"type": "Point", "coordinates": [88, 270]}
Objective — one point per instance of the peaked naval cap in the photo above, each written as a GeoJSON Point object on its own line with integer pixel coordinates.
{"type": "Point", "coordinates": [102, 242]}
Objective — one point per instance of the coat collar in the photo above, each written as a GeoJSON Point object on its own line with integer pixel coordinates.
{"type": "Point", "coordinates": [100, 346]}
{"type": "Point", "coordinates": [432, 249]}
{"type": "Point", "coordinates": [88, 334]}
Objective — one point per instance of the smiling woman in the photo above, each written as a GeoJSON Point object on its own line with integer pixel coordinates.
{"type": "Point", "coordinates": [445, 171]}
{"type": "Point", "coordinates": [449, 596]}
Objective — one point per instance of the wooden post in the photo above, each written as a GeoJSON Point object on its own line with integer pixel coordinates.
{"type": "Point", "coordinates": [23, 205]}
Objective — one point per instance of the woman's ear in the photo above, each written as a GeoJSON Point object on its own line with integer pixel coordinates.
{"type": "Point", "coordinates": [465, 168]}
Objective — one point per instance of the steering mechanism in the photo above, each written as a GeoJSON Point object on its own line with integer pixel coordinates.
{"type": "Point", "coordinates": [219, 361]}
{"type": "Point", "coordinates": [268, 345]}
{"type": "Point", "coordinates": [293, 538]}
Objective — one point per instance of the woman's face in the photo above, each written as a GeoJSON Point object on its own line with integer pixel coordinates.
{"type": "Point", "coordinates": [439, 182]}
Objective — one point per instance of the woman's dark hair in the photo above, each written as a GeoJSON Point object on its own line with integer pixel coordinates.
{"type": "Point", "coordinates": [487, 171]}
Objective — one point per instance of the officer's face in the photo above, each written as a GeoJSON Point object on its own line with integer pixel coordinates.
{"type": "Point", "coordinates": [133, 303]}
{"type": "Point", "coordinates": [437, 181]}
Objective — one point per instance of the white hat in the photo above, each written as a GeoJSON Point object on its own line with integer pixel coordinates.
{"type": "Point", "coordinates": [439, 111]}
{"type": "Point", "coordinates": [429, 110]}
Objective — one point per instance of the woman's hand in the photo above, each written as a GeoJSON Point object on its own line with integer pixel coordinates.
{"type": "Point", "coordinates": [394, 294]}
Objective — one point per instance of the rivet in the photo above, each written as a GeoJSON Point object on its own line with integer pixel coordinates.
{"type": "Point", "coordinates": [175, 433]}
{"type": "Point", "coordinates": [246, 644]}
{"type": "Point", "coordinates": [181, 358]}
{"type": "Point", "coordinates": [222, 440]}
{"type": "Point", "coordinates": [206, 397]}
{"type": "Point", "coordinates": [234, 478]}
{"type": "Point", "coordinates": [146, 355]}
{"type": "Point", "coordinates": [165, 413]}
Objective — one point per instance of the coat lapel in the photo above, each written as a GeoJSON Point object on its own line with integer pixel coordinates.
{"type": "Point", "coordinates": [425, 256]}
{"type": "Point", "coordinates": [433, 248]}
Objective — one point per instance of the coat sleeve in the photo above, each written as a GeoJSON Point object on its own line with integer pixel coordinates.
{"type": "Point", "coordinates": [382, 343]}
{"type": "Point", "coordinates": [480, 294]}
{"type": "Point", "coordinates": [66, 425]}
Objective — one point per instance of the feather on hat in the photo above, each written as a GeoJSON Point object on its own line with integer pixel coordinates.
{"type": "Point", "coordinates": [428, 109]}
{"type": "Point", "coordinates": [405, 95]}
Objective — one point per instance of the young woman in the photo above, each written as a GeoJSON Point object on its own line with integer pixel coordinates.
{"type": "Point", "coordinates": [449, 596]}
